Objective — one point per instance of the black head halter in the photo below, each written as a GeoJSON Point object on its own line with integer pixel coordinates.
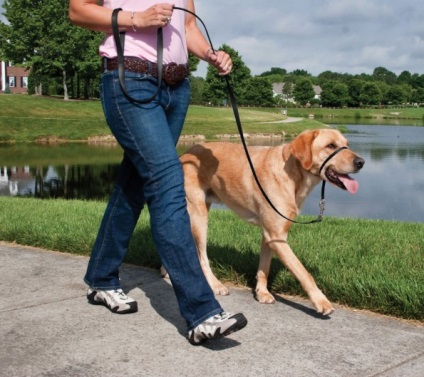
{"type": "Point", "coordinates": [330, 157]}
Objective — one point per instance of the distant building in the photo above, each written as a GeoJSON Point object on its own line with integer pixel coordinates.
{"type": "Point", "coordinates": [278, 88]}
{"type": "Point", "coordinates": [13, 79]}
{"type": "Point", "coordinates": [317, 91]}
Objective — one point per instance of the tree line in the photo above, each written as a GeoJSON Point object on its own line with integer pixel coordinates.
{"type": "Point", "coordinates": [64, 60]}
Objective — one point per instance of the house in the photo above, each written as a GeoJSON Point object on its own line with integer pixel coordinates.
{"type": "Point", "coordinates": [317, 91]}
{"type": "Point", "coordinates": [13, 79]}
{"type": "Point", "coordinates": [278, 89]}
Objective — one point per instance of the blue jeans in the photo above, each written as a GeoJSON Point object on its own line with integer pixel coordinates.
{"type": "Point", "coordinates": [150, 173]}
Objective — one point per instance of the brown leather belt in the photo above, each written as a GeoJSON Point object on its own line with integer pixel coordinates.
{"type": "Point", "coordinates": [172, 73]}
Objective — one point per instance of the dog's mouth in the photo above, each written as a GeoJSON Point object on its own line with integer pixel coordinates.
{"type": "Point", "coordinates": [344, 181]}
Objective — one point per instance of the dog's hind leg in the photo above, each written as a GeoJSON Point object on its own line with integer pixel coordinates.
{"type": "Point", "coordinates": [199, 227]}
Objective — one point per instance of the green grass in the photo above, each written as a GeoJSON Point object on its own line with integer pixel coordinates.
{"type": "Point", "coordinates": [365, 264]}
{"type": "Point", "coordinates": [26, 119]}
{"type": "Point", "coordinates": [33, 119]}
{"type": "Point", "coordinates": [412, 113]}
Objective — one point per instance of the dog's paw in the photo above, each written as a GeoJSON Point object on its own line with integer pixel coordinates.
{"type": "Point", "coordinates": [265, 297]}
{"type": "Point", "coordinates": [324, 307]}
{"type": "Point", "coordinates": [220, 289]}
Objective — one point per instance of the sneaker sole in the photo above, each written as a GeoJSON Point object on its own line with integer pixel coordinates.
{"type": "Point", "coordinates": [132, 309]}
{"type": "Point", "coordinates": [239, 325]}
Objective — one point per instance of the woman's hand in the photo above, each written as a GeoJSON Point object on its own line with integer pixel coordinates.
{"type": "Point", "coordinates": [220, 60]}
{"type": "Point", "coordinates": [156, 16]}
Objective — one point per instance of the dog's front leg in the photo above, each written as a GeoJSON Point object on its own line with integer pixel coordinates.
{"type": "Point", "coordinates": [262, 293]}
{"type": "Point", "coordinates": [293, 264]}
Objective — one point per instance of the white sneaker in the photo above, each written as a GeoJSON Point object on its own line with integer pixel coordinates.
{"type": "Point", "coordinates": [216, 327]}
{"type": "Point", "coordinates": [116, 300]}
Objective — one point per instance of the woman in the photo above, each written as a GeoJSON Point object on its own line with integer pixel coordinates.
{"type": "Point", "coordinates": [150, 171]}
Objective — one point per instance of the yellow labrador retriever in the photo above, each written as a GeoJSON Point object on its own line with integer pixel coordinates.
{"type": "Point", "coordinates": [219, 173]}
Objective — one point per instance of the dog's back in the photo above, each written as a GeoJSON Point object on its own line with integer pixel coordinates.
{"type": "Point", "coordinates": [221, 172]}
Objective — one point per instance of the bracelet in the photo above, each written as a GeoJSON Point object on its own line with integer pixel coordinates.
{"type": "Point", "coordinates": [209, 50]}
{"type": "Point", "coordinates": [132, 21]}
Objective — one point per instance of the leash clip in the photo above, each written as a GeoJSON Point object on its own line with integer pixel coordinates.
{"type": "Point", "coordinates": [321, 208]}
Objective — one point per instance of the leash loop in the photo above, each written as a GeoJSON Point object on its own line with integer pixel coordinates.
{"type": "Point", "coordinates": [119, 37]}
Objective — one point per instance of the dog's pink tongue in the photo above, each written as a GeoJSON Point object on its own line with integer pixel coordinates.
{"type": "Point", "coordinates": [350, 184]}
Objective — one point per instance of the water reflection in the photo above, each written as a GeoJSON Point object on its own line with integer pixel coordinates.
{"type": "Point", "coordinates": [71, 171]}
{"type": "Point", "coordinates": [70, 182]}
{"type": "Point", "coordinates": [391, 183]}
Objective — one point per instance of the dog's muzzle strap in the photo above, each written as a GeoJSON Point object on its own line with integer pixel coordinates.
{"type": "Point", "coordinates": [330, 157]}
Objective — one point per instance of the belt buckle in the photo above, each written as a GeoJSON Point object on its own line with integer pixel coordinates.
{"type": "Point", "coordinates": [172, 74]}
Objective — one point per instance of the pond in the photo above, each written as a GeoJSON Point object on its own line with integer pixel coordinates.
{"type": "Point", "coordinates": [391, 184]}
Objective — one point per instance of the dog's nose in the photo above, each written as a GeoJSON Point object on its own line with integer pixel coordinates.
{"type": "Point", "coordinates": [359, 162]}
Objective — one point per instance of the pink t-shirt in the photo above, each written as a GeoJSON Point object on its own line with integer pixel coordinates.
{"type": "Point", "coordinates": [143, 44]}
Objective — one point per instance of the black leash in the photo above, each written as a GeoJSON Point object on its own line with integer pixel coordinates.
{"type": "Point", "coordinates": [240, 130]}
{"type": "Point", "coordinates": [252, 168]}
{"type": "Point", "coordinates": [119, 38]}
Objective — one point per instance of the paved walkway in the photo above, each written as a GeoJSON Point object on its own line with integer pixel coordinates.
{"type": "Point", "coordinates": [47, 328]}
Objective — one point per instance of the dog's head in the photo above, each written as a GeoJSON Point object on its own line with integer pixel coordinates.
{"type": "Point", "coordinates": [312, 148]}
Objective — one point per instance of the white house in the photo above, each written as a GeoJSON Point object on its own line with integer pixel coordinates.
{"type": "Point", "coordinates": [278, 87]}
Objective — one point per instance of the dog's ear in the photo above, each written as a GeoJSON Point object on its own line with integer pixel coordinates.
{"type": "Point", "coordinates": [301, 147]}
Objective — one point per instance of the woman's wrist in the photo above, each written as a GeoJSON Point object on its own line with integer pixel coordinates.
{"type": "Point", "coordinates": [208, 53]}
{"type": "Point", "coordinates": [127, 21]}
{"type": "Point", "coordinates": [132, 22]}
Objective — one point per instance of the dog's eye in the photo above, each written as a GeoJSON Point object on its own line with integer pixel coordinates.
{"type": "Point", "coordinates": [331, 146]}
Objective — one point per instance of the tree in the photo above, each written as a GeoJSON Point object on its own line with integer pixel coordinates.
{"type": "Point", "coordinates": [417, 81]}
{"type": "Point", "coordinates": [258, 92]}
{"type": "Point", "coordinates": [87, 62]}
{"type": "Point", "coordinates": [370, 94]}
{"type": "Point", "coordinates": [274, 74]}
{"type": "Point", "coordinates": [20, 37]}
{"type": "Point", "coordinates": [384, 90]}
{"type": "Point", "coordinates": [193, 62]}
{"type": "Point", "coordinates": [304, 91]}
{"type": "Point", "coordinates": [354, 90]}
{"type": "Point", "coordinates": [404, 78]}
{"type": "Point", "coordinates": [417, 95]}
{"type": "Point", "coordinates": [301, 72]}
{"type": "Point", "coordinates": [40, 34]}
{"type": "Point", "coordinates": [215, 90]}
{"type": "Point", "coordinates": [398, 94]}
{"type": "Point", "coordinates": [274, 71]}
{"type": "Point", "coordinates": [335, 94]}
{"type": "Point", "coordinates": [287, 90]}
{"type": "Point", "coordinates": [273, 78]}
{"type": "Point", "coordinates": [197, 84]}
{"type": "Point", "coordinates": [332, 76]}
{"type": "Point", "coordinates": [383, 74]}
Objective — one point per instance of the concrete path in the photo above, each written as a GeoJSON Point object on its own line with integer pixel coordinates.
{"type": "Point", "coordinates": [47, 328]}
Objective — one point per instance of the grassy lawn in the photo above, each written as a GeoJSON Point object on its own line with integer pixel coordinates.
{"type": "Point", "coordinates": [26, 118]}
{"type": "Point", "coordinates": [377, 113]}
{"type": "Point", "coordinates": [366, 264]}
{"type": "Point", "coordinates": [30, 118]}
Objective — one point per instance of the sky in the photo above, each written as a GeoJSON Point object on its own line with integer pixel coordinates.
{"type": "Point", "coordinates": [344, 36]}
